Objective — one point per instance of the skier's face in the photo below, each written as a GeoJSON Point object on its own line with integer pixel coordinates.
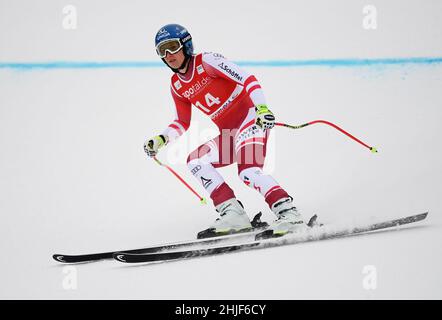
{"type": "Point", "coordinates": [175, 60]}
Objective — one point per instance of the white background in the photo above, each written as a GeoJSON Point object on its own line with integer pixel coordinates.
{"type": "Point", "coordinates": [75, 179]}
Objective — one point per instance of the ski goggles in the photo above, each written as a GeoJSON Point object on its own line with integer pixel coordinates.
{"type": "Point", "coordinates": [172, 46]}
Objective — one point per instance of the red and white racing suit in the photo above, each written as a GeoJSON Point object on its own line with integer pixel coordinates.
{"type": "Point", "coordinates": [228, 95]}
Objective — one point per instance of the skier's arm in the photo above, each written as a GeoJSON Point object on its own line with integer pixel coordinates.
{"type": "Point", "coordinates": [218, 66]}
{"type": "Point", "coordinates": [183, 114]}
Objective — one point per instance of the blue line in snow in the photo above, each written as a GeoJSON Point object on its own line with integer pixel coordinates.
{"type": "Point", "coordinates": [262, 63]}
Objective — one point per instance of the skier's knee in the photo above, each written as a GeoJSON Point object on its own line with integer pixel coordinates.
{"type": "Point", "coordinates": [201, 152]}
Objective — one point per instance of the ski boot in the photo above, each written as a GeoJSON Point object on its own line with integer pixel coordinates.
{"type": "Point", "coordinates": [289, 220]}
{"type": "Point", "coordinates": [233, 219]}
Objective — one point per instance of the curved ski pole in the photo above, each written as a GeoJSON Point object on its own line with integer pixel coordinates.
{"type": "Point", "coordinates": [202, 200]}
{"type": "Point", "coordinates": [372, 149]}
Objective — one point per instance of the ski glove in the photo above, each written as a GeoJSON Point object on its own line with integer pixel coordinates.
{"type": "Point", "coordinates": [264, 117]}
{"type": "Point", "coordinates": [152, 145]}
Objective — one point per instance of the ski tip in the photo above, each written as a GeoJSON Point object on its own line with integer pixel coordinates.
{"type": "Point", "coordinates": [59, 258]}
{"type": "Point", "coordinates": [119, 256]}
{"type": "Point", "coordinates": [419, 217]}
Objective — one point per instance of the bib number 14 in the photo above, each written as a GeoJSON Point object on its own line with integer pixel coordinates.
{"type": "Point", "coordinates": [210, 101]}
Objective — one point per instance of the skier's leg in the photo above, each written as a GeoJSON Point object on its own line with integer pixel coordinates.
{"type": "Point", "coordinates": [200, 163]}
{"type": "Point", "coordinates": [203, 163]}
{"type": "Point", "coordinates": [250, 147]}
{"type": "Point", "coordinates": [289, 217]}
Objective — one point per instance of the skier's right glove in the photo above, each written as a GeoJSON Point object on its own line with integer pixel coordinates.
{"type": "Point", "coordinates": [152, 145]}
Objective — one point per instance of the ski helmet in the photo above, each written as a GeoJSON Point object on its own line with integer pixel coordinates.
{"type": "Point", "coordinates": [177, 32]}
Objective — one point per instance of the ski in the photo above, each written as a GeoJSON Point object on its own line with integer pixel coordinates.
{"type": "Point", "coordinates": [313, 234]}
{"type": "Point", "coordinates": [257, 224]}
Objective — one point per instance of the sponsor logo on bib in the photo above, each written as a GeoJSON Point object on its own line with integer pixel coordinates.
{"type": "Point", "coordinates": [178, 85]}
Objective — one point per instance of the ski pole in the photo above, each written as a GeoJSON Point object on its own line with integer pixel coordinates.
{"type": "Point", "coordinates": [202, 200]}
{"type": "Point", "coordinates": [372, 149]}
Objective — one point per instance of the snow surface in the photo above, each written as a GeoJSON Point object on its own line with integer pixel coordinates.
{"type": "Point", "coordinates": [75, 179]}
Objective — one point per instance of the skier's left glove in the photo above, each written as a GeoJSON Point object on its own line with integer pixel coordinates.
{"type": "Point", "coordinates": [152, 145]}
{"type": "Point", "coordinates": [264, 117]}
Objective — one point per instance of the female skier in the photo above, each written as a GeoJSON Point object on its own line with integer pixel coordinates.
{"type": "Point", "coordinates": [234, 101]}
